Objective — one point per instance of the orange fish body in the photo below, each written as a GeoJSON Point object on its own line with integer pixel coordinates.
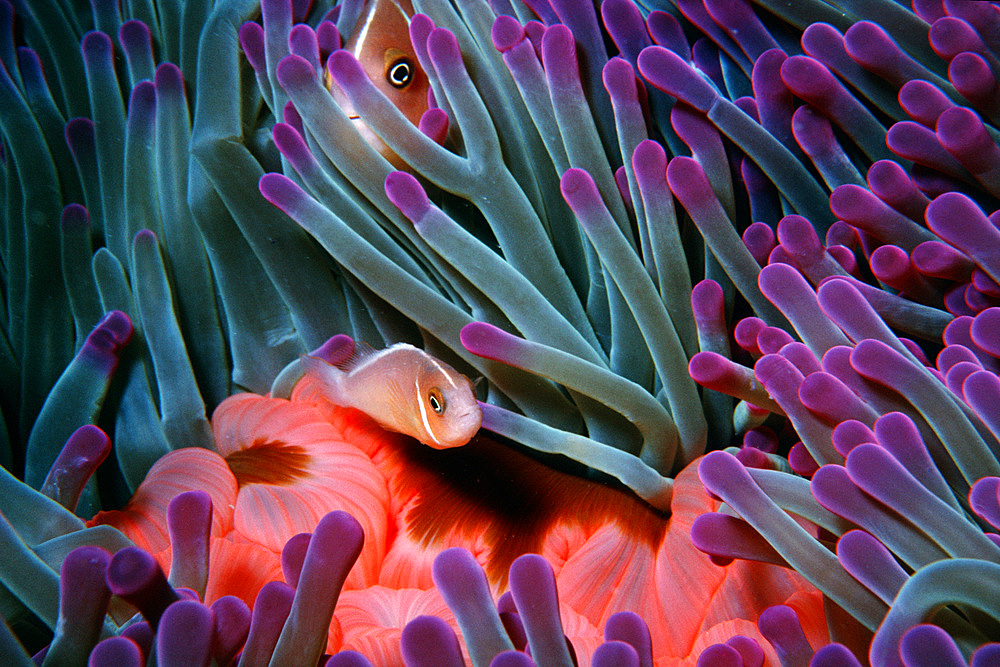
{"type": "Point", "coordinates": [405, 390]}
{"type": "Point", "coordinates": [381, 43]}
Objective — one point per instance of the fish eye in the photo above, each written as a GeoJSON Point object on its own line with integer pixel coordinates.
{"type": "Point", "coordinates": [400, 72]}
{"type": "Point", "coordinates": [436, 399]}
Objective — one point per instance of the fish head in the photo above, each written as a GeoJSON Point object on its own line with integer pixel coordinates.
{"type": "Point", "coordinates": [449, 412]}
{"type": "Point", "coordinates": [381, 43]}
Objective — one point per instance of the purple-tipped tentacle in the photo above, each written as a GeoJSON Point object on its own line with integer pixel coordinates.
{"type": "Point", "coordinates": [897, 433]}
{"type": "Point", "coordinates": [629, 627]}
{"type": "Point", "coordinates": [774, 100]}
{"type": "Point", "coordinates": [232, 625]}
{"type": "Point", "coordinates": [850, 433]}
{"type": "Point", "coordinates": [293, 556]}
{"type": "Point", "coordinates": [334, 547]}
{"type": "Point", "coordinates": [189, 522]}
{"type": "Point", "coordinates": [724, 476]}
{"type": "Point", "coordinates": [709, 310]}
{"type": "Point", "coordinates": [798, 238]}
{"type": "Point", "coordinates": [878, 474]}
{"type": "Point", "coordinates": [834, 655]}
{"type": "Point", "coordinates": [142, 634]}
{"type": "Point", "coordinates": [726, 538]}
{"type": "Point", "coordinates": [624, 23]}
{"type": "Point", "coordinates": [961, 132]}
{"type": "Point", "coordinates": [533, 586]}
{"type": "Point", "coordinates": [668, 72]}
{"type": "Point", "coordinates": [137, 45]}
{"type": "Point", "coordinates": [780, 626]}
{"type": "Point", "coordinates": [915, 142]}
{"type": "Point", "coordinates": [890, 183]}
{"type": "Point", "coordinates": [463, 585]}
{"type": "Point", "coordinates": [615, 654]}
{"type": "Point", "coordinates": [801, 357]}
{"type": "Point", "coordinates": [270, 610]}
{"type": "Point", "coordinates": [713, 371]}
{"type": "Point", "coordinates": [512, 659]}
{"type": "Point", "coordinates": [941, 260]}
{"type": "Point", "coordinates": [982, 392]}
{"type": "Point", "coordinates": [955, 354]}
{"type": "Point", "coordinates": [861, 208]}
{"type": "Point", "coordinates": [741, 23]}
{"type": "Point", "coordinates": [928, 645]}
{"type": "Point", "coordinates": [789, 291]}
{"type": "Point", "coordinates": [302, 41]}
{"type": "Point", "coordinates": [747, 332]}
{"type": "Point", "coordinates": [801, 461]}
{"type": "Point", "coordinates": [875, 50]}
{"type": "Point", "coordinates": [827, 397]}
{"type": "Point", "coordinates": [79, 458]}
{"type": "Point", "coordinates": [428, 641]}
{"type": "Point", "coordinates": [184, 635]}
{"type": "Point", "coordinates": [877, 361]}
{"type": "Point", "coordinates": [136, 577]}
{"type": "Point", "coordinates": [813, 133]}
{"type": "Point", "coordinates": [347, 659]}
{"type": "Point", "coordinates": [328, 39]}
{"type": "Point", "coordinates": [512, 622]}
{"type": "Point", "coordinates": [984, 500]}
{"type": "Point", "coordinates": [871, 563]}
{"type": "Point", "coordinates": [116, 652]}
{"type": "Point", "coordinates": [974, 78]}
{"type": "Point", "coordinates": [959, 333]}
{"type": "Point", "coordinates": [667, 32]}
{"type": "Point", "coordinates": [751, 653]}
{"type": "Point", "coordinates": [760, 240]}
{"type": "Point", "coordinates": [924, 102]}
{"type": "Point", "coordinates": [957, 375]}
{"type": "Point", "coordinates": [811, 81]}
{"type": "Point", "coordinates": [83, 603]}
{"type": "Point", "coordinates": [782, 380]}
{"type": "Point", "coordinates": [834, 490]}
{"type": "Point", "coordinates": [986, 655]}
{"type": "Point", "coordinates": [720, 655]}
{"type": "Point", "coordinates": [950, 35]}
{"type": "Point", "coordinates": [892, 265]}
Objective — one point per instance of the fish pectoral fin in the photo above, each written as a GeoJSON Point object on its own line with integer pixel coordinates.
{"type": "Point", "coordinates": [328, 375]}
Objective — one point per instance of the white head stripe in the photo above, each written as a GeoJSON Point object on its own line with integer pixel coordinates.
{"type": "Point", "coordinates": [423, 411]}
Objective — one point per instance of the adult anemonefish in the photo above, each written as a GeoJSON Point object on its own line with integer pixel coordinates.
{"type": "Point", "coordinates": [405, 390]}
{"type": "Point", "coordinates": [381, 43]}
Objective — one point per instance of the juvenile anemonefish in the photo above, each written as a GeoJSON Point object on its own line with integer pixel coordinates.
{"type": "Point", "coordinates": [405, 390]}
{"type": "Point", "coordinates": [381, 43]}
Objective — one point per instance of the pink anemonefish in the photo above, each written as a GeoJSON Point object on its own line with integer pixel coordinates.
{"type": "Point", "coordinates": [405, 390]}
{"type": "Point", "coordinates": [381, 43]}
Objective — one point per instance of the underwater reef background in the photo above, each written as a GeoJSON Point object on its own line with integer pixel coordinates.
{"type": "Point", "coordinates": [756, 242]}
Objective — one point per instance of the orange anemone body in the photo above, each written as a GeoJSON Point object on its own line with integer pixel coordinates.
{"type": "Point", "coordinates": [283, 464]}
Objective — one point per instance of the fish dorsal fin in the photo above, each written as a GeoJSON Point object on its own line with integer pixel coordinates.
{"type": "Point", "coordinates": [362, 353]}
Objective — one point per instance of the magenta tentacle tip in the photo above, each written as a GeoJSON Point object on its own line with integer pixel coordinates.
{"type": "Point", "coordinates": [486, 340]}
{"type": "Point", "coordinates": [406, 194]}
{"type": "Point", "coordinates": [442, 46]}
{"type": "Point", "coordinates": [507, 33]}
{"type": "Point", "coordinates": [428, 641]}
{"type": "Point", "coordinates": [666, 70]}
{"type": "Point", "coordinates": [579, 190]}
{"type": "Point", "coordinates": [293, 555]}
{"type": "Point", "coordinates": [342, 66]}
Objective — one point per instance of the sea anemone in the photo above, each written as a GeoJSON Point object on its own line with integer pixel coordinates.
{"type": "Point", "coordinates": [595, 206]}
